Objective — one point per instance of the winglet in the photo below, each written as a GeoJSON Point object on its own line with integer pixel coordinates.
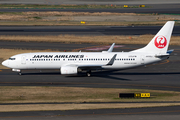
{"type": "Point", "coordinates": [111, 48]}
{"type": "Point", "coordinates": [112, 60]}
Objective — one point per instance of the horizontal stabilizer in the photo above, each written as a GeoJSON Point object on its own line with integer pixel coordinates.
{"type": "Point", "coordinates": [170, 51]}
{"type": "Point", "coordinates": [162, 55]}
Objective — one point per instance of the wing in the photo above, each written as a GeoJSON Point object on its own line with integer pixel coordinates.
{"type": "Point", "coordinates": [92, 66]}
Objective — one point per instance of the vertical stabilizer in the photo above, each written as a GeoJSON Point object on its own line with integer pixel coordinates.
{"type": "Point", "coordinates": [159, 44]}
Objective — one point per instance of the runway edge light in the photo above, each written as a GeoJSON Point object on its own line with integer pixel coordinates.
{"type": "Point", "coordinates": [141, 5]}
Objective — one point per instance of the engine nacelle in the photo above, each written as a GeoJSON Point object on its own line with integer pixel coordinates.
{"type": "Point", "coordinates": [69, 70]}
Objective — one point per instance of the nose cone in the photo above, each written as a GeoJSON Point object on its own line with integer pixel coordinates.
{"type": "Point", "coordinates": [5, 63]}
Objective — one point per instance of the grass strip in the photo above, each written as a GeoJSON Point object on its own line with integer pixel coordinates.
{"type": "Point", "coordinates": [78, 95]}
{"type": "Point", "coordinates": [106, 39]}
{"type": "Point", "coordinates": [52, 107]}
{"type": "Point", "coordinates": [75, 18]}
{"type": "Point", "coordinates": [47, 94]}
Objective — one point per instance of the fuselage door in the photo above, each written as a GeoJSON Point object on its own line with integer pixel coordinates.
{"type": "Point", "coordinates": [23, 59]}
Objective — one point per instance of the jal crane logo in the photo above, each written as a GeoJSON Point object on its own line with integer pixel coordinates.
{"type": "Point", "coordinates": [160, 42]}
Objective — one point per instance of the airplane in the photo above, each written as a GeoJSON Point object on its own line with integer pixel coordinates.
{"type": "Point", "coordinates": [73, 62]}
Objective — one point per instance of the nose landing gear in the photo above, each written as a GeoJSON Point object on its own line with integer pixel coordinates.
{"type": "Point", "coordinates": [17, 70]}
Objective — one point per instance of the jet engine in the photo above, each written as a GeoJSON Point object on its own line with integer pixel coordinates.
{"type": "Point", "coordinates": [69, 70]}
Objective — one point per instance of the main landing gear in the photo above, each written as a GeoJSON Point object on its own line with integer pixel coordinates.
{"type": "Point", "coordinates": [88, 73]}
{"type": "Point", "coordinates": [20, 73]}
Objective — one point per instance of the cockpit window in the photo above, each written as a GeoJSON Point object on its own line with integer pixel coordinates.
{"type": "Point", "coordinates": [12, 58]}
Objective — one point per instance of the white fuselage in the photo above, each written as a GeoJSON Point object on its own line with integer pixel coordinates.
{"type": "Point", "coordinates": [55, 60]}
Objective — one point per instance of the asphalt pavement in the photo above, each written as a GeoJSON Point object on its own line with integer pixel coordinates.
{"type": "Point", "coordinates": [155, 113]}
{"type": "Point", "coordinates": [83, 30]}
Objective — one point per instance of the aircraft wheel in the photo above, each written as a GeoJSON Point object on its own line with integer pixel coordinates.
{"type": "Point", "coordinates": [20, 73]}
{"type": "Point", "coordinates": [88, 73]}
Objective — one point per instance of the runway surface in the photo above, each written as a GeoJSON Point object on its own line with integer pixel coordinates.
{"type": "Point", "coordinates": [160, 76]}
{"type": "Point", "coordinates": [173, 10]}
{"type": "Point", "coordinates": [83, 30]}
{"type": "Point", "coordinates": [156, 113]}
